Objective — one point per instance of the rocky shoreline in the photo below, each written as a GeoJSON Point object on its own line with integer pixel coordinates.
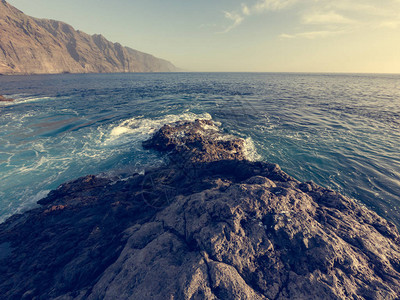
{"type": "Point", "coordinates": [208, 225]}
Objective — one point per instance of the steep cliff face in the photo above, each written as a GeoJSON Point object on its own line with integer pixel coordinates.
{"type": "Point", "coordinates": [208, 225]}
{"type": "Point", "coordinates": [34, 46]}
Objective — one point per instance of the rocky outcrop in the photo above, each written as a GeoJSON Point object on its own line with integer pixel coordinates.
{"type": "Point", "coordinates": [199, 141]}
{"type": "Point", "coordinates": [208, 225]}
{"type": "Point", "coordinates": [34, 46]}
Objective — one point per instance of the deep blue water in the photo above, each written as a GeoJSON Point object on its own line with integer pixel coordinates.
{"type": "Point", "coordinates": [341, 131]}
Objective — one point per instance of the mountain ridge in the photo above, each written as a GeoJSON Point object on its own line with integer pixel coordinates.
{"type": "Point", "coordinates": [31, 45]}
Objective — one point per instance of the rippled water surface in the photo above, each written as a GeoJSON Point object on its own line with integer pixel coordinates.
{"type": "Point", "coordinates": [341, 131]}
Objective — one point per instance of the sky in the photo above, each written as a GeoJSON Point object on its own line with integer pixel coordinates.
{"type": "Point", "coordinates": [349, 36]}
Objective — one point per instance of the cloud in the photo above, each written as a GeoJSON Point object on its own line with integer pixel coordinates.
{"type": "Point", "coordinates": [259, 7]}
{"type": "Point", "coordinates": [235, 17]}
{"type": "Point", "coordinates": [362, 7]}
{"type": "Point", "coordinates": [272, 5]}
{"type": "Point", "coordinates": [319, 18]}
{"type": "Point", "coordinates": [311, 35]}
{"type": "Point", "coordinates": [325, 18]}
{"type": "Point", "coordinates": [393, 24]}
{"type": "Point", "coordinates": [245, 10]}
{"type": "Point", "coordinates": [287, 36]}
{"type": "Point", "coordinates": [322, 18]}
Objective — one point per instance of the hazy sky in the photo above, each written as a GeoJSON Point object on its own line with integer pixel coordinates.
{"type": "Point", "coordinates": [244, 35]}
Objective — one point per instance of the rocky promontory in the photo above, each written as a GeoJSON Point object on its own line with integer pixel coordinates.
{"type": "Point", "coordinates": [207, 225]}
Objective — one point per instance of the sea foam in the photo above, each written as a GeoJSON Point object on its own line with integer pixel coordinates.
{"type": "Point", "coordinates": [23, 100]}
{"type": "Point", "coordinates": [140, 129]}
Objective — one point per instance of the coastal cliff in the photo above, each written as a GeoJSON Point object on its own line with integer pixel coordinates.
{"type": "Point", "coordinates": [38, 46]}
{"type": "Point", "coordinates": [209, 224]}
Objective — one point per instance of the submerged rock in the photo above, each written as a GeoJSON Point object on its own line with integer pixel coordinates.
{"type": "Point", "coordinates": [208, 225]}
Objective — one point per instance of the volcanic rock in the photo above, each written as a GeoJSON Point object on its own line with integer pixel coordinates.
{"type": "Point", "coordinates": [214, 227]}
{"type": "Point", "coordinates": [198, 141]}
{"type": "Point", "coordinates": [36, 46]}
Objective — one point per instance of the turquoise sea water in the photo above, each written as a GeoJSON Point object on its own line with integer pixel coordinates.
{"type": "Point", "coordinates": [339, 130]}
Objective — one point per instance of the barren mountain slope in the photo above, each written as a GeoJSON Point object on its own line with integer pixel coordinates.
{"type": "Point", "coordinates": [35, 46]}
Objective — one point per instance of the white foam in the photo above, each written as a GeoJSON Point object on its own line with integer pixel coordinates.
{"type": "Point", "coordinates": [139, 128]}
{"type": "Point", "coordinates": [250, 151]}
{"type": "Point", "coordinates": [54, 158]}
{"type": "Point", "coordinates": [117, 131]}
{"type": "Point", "coordinates": [211, 127]}
{"type": "Point", "coordinates": [39, 196]}
{"type": "Point", "coordinates": [31, 99]}
{"type": "Point", "coordinates": [28, 169]}
{"type": "Point", "coordinates": [23, 100]}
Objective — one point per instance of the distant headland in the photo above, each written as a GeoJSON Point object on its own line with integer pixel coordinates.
{"type": "Point", "coordinates": [39, 46]}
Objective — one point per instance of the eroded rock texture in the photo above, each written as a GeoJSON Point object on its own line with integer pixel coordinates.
{"type": "Point", "coordinates": [35, 46]}
{"type": "Point", "coordinates": [209, 225]}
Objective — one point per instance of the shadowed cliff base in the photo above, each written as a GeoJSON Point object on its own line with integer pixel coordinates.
{"type": "Point", "coordinates": [208, 225]}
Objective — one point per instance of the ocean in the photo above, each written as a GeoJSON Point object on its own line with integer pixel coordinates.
{"type": "Point", "coordinates": [338, 130]}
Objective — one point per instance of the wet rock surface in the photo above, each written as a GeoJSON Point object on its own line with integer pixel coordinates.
{"type": "Point", "coordinates": [196, 142]}
{"type": "Point", "coordinates": [208, 225]}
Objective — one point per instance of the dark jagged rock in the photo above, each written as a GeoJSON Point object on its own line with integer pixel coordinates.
{"type": "Point", "coordinates": [4, 99]}
{"type": "Point", "coordinates": [208, 225]}
{"type": "Point", "coordinates": [198, 141]}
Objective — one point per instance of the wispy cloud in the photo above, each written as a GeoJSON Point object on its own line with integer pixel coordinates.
{"type": "Point", "coordinates": [259, 7]}
{"type": "Point", "coordinates": [382, 8]}
{"type": "Point", "coordinates": [311, 35]}
{"type": "Point", "coordinates": [392, 24]}
{"type": "Point", "coordinates": [271, 5]}
{"type": "Point", "coordinates": [322, 18]}
{"type": "Point", "coordinates": [235, 17]}
{"type": "Point", "coordinates": [245, 10]}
